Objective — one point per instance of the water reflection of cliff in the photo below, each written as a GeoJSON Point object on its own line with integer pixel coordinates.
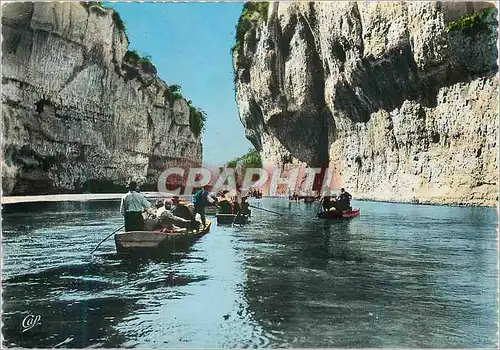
{"type": "Point", "coordinates": [303, 280]}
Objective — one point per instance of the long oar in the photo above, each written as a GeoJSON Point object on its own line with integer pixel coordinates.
{"type": "Point", "coordinates": [232, 224]}
{"type": "Point", "coordinates": [97, 246]}
{"type": "Point", "coordinates": [319, 206]}
{"type": "Point", "coordinates": [274, 212]}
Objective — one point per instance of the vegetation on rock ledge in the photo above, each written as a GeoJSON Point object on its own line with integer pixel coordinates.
{"type": "Point", "coordinates": [173, 93]}
{"type": "Point", "coordinates": [473, 23]}
{"type": "Point", "coordinates": [250, 160]}
{"type": "Point", "coordinates": [197, 118]}
{"type": "Point", "coordinates": [117, 20]}
{"type": "Point", "coordinates": [132, 57]}
{"type": "Point", "coordinates": [252, 14]}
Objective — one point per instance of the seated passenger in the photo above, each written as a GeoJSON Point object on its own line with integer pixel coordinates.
{"type": "Point", "coordinates": [168, 219]}
{"type": "Point", "coordinates": [224, 204]}
{"type": "Point", "coordinates": [326, 203]}
{"type": "Point", "coordinates": [181, 209]}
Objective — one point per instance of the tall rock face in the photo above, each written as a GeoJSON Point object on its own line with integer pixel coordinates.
{"type": "Point", "coordinates": [76, 114]}
{"type": "Point", "coordinates": [398, 98]}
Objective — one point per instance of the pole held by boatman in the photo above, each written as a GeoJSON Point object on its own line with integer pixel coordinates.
{"type": "Point", "coordinates": [132, 205]}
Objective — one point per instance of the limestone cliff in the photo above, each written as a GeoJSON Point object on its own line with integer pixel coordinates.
{"type": "Point", "coordinates": [76, 113]}
{"type": "Point", "coordinates": [399, 98]}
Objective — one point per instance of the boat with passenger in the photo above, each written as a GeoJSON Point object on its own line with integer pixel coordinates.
{"type": "Point", "coordinates": [338, 214]}
{"type": "Point", "coordinates": [337, 207]}
{"type": "Point", "coordinates": [229, 219]}
{"type": "Point", "coordinates": [159, 241]}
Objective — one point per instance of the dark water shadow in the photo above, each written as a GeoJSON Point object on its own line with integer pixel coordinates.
{"type": "Point", "coordinates": [82, 305]}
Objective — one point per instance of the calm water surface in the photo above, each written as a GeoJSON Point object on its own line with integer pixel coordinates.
{"type": "Point", "coordinates": [397, 275]}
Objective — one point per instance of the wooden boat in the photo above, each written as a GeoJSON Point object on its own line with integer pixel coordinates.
{"type": "Point", "coordinates": [305, 199]}
{"type": "Point", "coordinates": [338, 214]}
{"type": "Point", "coordinates": [157, 241]}
{"type": "Point", "coordinates": [228, 219]}
{"type": "Point", "coordinates": [309, 199]}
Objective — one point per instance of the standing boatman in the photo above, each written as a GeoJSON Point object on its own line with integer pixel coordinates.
{"type": "Point", "coordinates": [345, 199]}
{"type": "Point", "coordinates": [201, 199]}
{"type": "Point", "coordinates": [132, 206]}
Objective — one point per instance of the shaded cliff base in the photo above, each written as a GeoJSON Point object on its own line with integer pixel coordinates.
{"type": "Point", "coordinates": [80, 197]}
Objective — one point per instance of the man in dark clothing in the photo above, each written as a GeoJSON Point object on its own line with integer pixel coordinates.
{"type": "Point", "coordinates": [345, 199]}
{"type": "Point", "coordinates": [245, 206]}
{"type": "Point", "coordinates": [201, 199]}
{"type": "Point", "coordinates": [345, 194]}
{"type": "Point", "coordinates": [181, 209]}
{"type": "Point", "coordinates": [326, 203]}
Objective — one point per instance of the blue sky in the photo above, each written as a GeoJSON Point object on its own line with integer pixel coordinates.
{"type": "Point", "coordinates": [190, 46]}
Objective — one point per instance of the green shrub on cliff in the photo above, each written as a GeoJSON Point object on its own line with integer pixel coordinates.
{"type": "Point", "coordinates": [472, 23]}
{"type": "Point", "coordinates": [132, 57]}
{"type": "Point", "coordinates": [135, 59]}
{"type": "Point", "coordinates": [250, 160]}
{"type": "Point", "coordinates": [175, 89]}
{"type": "Point", "coordinates": [197, 118]}
{"type": "Point", "coordinates": [252, 14]}
{"type": "Point", "coordinates": [87, 4]}
{"type": "Point", "coordinates": [146, 59]}
{"type": "Point", "coordinates": [117, 20]}
{"type": "Point", "coordinates": [173, 93]}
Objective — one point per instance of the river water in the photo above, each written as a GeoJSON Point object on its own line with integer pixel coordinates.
{"type": "Point", "coordinates": [398, 275]}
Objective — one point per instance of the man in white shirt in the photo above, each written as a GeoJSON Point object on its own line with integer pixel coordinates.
{"type": "Point", "coordinates": [132, 206]}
